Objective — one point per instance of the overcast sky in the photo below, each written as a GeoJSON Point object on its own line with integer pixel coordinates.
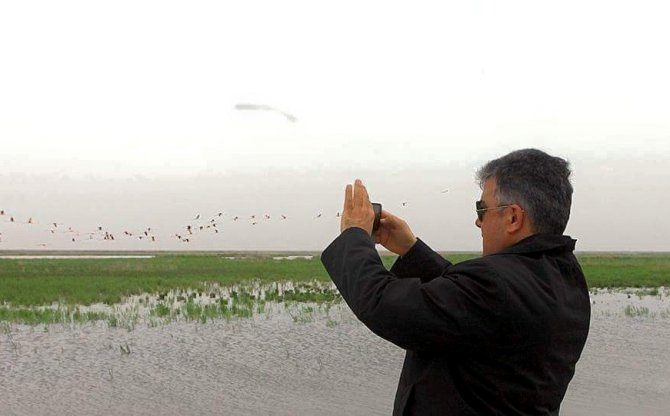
{"type": "Point", "coordinates": [122, 115]}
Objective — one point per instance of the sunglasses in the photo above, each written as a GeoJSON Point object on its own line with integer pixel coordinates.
{"type": "Point", "coordinates": [480, 208]}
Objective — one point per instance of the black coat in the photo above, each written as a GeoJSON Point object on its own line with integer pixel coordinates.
{"type": "Point", "coordinates": [497, 335]}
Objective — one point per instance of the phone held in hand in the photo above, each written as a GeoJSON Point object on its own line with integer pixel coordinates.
{"type": "Point", "coordinates": [378, 215]}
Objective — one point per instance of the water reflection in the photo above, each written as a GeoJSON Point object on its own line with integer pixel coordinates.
{"type": "Point", "coordinates": [209, 302]}
{"type": "Point", "coordinates": [632, 302]}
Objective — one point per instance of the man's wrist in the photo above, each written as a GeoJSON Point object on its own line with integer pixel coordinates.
{"type": "Point", "coordinates": [409, 248]}
{"type": "Point", "coordinates": [348, 227]}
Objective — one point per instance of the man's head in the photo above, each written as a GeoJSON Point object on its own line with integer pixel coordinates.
{"type": "Point", "coordinates": [523, 193]}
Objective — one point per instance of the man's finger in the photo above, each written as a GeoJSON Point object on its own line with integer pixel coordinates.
{"type": "Point", "coordinates": [348, 203]}
{"type": "Point", "coordinates": [361, 197]}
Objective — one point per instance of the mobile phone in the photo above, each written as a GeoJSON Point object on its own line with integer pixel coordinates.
{"type": "Point", "coordinates": [378, 215]}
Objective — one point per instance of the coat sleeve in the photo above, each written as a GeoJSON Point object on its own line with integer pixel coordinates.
{"type": "Point", "coordinates": [458, 310]}
{"type": "Point", "coordinates": [420, 261]}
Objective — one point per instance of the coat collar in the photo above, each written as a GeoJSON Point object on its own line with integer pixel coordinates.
{"type": "Point", "coordinates": [541, 242]}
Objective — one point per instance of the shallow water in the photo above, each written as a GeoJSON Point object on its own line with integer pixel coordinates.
{"type": "Point", "coordinates": [625, 366]}
{"type": "Point", "coordinates": [326, 363]}
{"type": "Point", "coordinates": [293, 257]}
{"type": "Point", "coordinates": [206, 302]}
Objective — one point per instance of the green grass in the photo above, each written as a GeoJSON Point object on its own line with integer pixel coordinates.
{"type": "Point", "coordinates": [35, 316]}
{"type": "Point", "coordinates": [634, 270]}
{"type": "Point", "coordinates": [634, 311]}
{"type": "Point", "coordinates": [86, 281]}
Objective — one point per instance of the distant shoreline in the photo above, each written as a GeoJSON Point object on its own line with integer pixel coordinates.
{"type": "Point", "coordinates": [271, 253]}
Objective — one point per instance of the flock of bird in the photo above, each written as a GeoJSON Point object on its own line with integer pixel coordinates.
{"type": "Point", "coordinates": [198, 224]}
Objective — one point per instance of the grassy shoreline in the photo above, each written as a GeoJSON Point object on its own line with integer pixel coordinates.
{"type": "Point", "coordinates": [72, 282]}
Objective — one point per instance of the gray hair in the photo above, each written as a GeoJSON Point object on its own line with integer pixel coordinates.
{"type": "Point", "coordinates": [540, 183]}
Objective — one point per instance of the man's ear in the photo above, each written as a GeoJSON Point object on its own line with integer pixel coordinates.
{"type": "Point", "coordinates": [516, 219]}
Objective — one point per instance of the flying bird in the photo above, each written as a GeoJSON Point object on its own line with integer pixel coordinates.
{"type": "Point", "coordinates": [263, 107]}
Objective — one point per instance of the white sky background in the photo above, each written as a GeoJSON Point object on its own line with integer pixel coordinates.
{"type": "Point", "coordinates": [121, 114]}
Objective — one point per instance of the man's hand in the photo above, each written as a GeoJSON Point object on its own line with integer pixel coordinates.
{"type": "Point", "coordinates": [357, 210]}
{"type": "Point", "coordinates": [394, 234]}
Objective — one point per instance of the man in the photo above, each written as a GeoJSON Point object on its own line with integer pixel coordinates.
{"type": "Point", "coordinates": [496, 335]}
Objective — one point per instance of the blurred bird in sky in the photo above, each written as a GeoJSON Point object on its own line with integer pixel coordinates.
{"type": "Point", "coordinates": [263, 107]}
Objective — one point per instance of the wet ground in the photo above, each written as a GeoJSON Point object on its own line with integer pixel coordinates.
{"type": "Point", "coordinates": [297, 361]}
